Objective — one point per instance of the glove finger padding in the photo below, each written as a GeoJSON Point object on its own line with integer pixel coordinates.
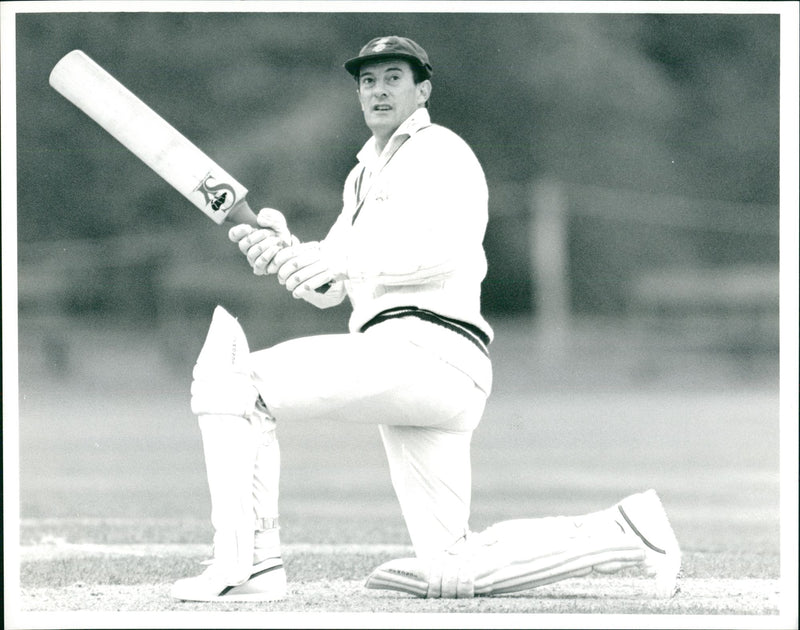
{"type": "Point", "coordinates": [309, 277]}
{"type": "Point", "coordinates": [238, 232]}
{"type": "Point", "coordinates": [291, 259]}
{"type": "Point", "coordinates": [274, 221]}
{"type": "Point", "coordinates": [253, 240]}
{"type": "Point", "coordinates": [260, 254]}
{"type": "Point", "coordinates": [310, 263]}
{"type": "Point", "coordinates": [262, 265]}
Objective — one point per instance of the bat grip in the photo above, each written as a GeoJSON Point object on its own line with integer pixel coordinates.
{"type": "Point", "coordinates": [243, 213]}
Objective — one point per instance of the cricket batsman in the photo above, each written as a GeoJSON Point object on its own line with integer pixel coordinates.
{"type": "Point", "coordinates": [407, 252]}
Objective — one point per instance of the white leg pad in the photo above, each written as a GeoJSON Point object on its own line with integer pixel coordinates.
{"type": "Point", "coordinates": [456, 578]}
{"type": "Point", "coordinates": [485, 565]}
{"type": "Point", "coordinates": [229, 447]}
{"type": "Point", "coordinates": [266, 477]}
{"type": "Point", "coordinates": [406, 575]}
{"type": "Point", "coordinates": [525, 553]}
{"type": "Point", "coordinates": [222, 381]}
{"type": "Point", "coordinates": [576, 559]}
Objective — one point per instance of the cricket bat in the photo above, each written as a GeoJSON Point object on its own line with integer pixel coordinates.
{"type": "Point", "coordinates": [153, 140]}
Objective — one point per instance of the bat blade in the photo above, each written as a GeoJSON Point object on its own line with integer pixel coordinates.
{"type": "Point", "coordinates": [151, 138]}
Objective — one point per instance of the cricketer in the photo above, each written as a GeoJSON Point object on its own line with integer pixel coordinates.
{"type": "Point", "coordinates": [407, 252]}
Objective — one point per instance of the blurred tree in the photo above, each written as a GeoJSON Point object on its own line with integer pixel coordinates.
{"type": "Point", "coordinates": [658, 103]}
{"type": "Point", "coordinates": [724, 70]}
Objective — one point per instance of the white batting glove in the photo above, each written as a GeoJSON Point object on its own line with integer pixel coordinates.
{"type": "Point", "coordinates": [306, 267]}
{"type": "Point", "coordinates": [261, 245]}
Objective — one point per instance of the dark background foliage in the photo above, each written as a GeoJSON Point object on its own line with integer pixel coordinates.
{"type": "Point", "coordinates": [661, 128]}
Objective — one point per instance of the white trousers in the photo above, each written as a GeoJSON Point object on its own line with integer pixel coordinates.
{"type": "Point", "coordinates": [395, 375]}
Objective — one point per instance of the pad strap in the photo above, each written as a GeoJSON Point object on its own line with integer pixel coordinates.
{"type": "Point", "coordinates": [457, 577]}
{"type": "Point", "coordinates": [264, 524]}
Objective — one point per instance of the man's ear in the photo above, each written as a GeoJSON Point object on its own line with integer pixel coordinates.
{"type": "Point", "coordinates": [424, 89]}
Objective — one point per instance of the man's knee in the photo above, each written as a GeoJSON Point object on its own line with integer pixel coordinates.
{"type": "Point", "coordinates": [221, 379]}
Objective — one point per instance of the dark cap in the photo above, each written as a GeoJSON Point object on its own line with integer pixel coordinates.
{"type": "Point", "coordinates": [391, 47]}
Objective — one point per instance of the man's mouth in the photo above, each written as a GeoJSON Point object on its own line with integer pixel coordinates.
{"type": "Point", "coordinates": [382, 107]}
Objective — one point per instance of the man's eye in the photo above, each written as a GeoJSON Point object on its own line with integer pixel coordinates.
{"type": "Point", "coordinates": [366, 81]}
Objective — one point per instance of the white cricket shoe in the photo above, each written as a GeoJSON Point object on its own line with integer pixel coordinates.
{"type": "Point", "coordinates": [644, 517]}
{"type": "Point", "coordinates": [267, 582]}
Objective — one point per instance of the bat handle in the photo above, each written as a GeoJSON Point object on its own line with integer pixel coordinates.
{"type": "Point", "coordinates": [243, 213]}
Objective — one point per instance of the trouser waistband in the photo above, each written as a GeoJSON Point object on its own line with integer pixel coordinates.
{"type": "Point", "coordinates": [470, 331]}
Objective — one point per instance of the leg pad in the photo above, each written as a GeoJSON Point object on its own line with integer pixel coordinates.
{"type": "Point", "coordinates": [483, 571]}
{"type": "Point", "coordinates": [222, 383]}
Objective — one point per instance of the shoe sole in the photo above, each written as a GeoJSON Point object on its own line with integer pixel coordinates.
{"type": "Point", "coordinates": [272, 592]}
{"type": "Point", "coordinates": [245, 597]}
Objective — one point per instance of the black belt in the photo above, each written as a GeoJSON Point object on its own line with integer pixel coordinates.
{"type": "Point", "coordinates": [470, 331]}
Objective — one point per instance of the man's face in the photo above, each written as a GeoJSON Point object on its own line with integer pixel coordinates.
{"type": "Point", "coordinates": [388, 94]}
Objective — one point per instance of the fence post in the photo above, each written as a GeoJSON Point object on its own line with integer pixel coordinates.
{"type": "Point", "coordinates": [549, 262]}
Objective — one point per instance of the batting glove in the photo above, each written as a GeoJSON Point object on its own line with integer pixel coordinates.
{"type": "Point", "coordinates": [306, 267]}
{"type": "Point", "coordinates": [261, 245]}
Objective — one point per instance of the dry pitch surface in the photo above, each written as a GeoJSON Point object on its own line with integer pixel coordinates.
{"type": "Point", "coordinates": [58, 576]}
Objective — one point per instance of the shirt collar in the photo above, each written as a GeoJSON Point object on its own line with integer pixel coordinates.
{"type": "Point", "coordinates": [420, 119]}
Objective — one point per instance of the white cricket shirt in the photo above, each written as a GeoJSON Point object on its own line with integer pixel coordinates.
{"type": "Point", "coordinates": [412, 227]}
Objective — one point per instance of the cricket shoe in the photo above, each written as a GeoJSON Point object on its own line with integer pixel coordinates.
{"type": "Point", "coordinates": [643, 516]}
{"type": "Point", "coordinates": [267, 582]}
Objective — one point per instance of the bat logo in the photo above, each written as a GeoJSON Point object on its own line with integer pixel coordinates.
{"type": "Point", "coordinates": [219, 196]}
